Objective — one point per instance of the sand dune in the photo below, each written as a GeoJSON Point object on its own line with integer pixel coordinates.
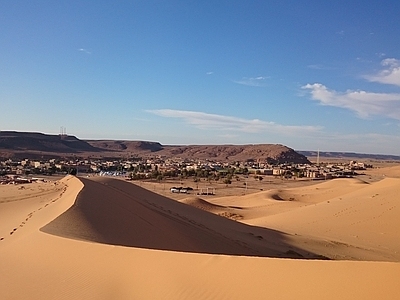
{"type": "Point", "coordinates": [24, 208]}
{"type": "Point", "coordinates": [366, 218]}
{"type": "Point", "coordinates": [200, 203]}
{"type": "Point", "coordinates": [111, 244]}
{"type": "Point", "coordinates": [391, 172]}
{"type": "Point", "coordinates": [229, 212]}
{"type": "Point", "coordinates": [116, 212]}
{"type": "Point", "coordinates": [339, 219]}
{"type": "Point", "coordinates": [276, 201]}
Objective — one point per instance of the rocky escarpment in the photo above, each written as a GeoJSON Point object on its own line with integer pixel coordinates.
{"type": "Point", "coordinates": [32, 144]}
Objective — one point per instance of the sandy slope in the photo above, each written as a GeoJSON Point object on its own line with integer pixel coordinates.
{"type": "Point", "coordinates": [366, 218]}
{"type": "Point", "coordinates": [276, 201]}
{"type": "Point", "coordinates": [340, 219]}
{"type": "Point", "coordinates": [73, 251]}
{"type": "Point", "coordinates": [25, 208]}
{"type": "Point", "coordinates": [116, 212]}
{"type": "Point", "coordinates": [392, 172]}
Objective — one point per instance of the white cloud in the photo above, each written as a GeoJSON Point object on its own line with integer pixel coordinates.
{"type": "Point", "coordinates": [341, 32]}
{"type": "Point", "coordinates": [210, 73]}
{"type": "Point", "coordinates": [227, 123]}
{"type": "Point", "coordinates": [228, 136]}
{"type": "Point", "coordinates": [390, 74]}
{"type": "Point", "coordinates": [259, 81]}
{"type": "Point", "coordinates": [316, 67]}
{"type": "Point", "coordinates": [361, 102]}
{"type": "Point", "coordinates": [84, 51]}
{"type": "Point", "coordinates": [319, 67]}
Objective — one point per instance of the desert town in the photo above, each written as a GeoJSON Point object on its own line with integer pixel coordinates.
{"type": "Point", "coordinates": [26, 170]}
{"type": "Point", "coordinates": [341, 230]}
{"type": "Point", "coordinates": [155, 214]}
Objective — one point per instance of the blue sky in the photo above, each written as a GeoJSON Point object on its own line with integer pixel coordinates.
{"type": "Point", "coordinates": [307, 74]}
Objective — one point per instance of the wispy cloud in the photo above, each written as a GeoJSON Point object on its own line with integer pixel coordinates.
{"type": "Point", "coordinates": [390, 73]}
{"type": "Point", "coordinates": [228, 136]}
{"type": "Point", "coordinates": [228, 123]}
{"type": "Point", "coordinates": [84, 51]}
{"type": "Point", "coordinates": [363, 60]}
{"type": "Point", "coordinates": [259, 81]}
{"type": "Point", "coordinates": [316, 67]}
{"type": "Point", "coordinates": [362, 102]}
{"type": "Point", "coordinates": [319, 67]}
{"type": "Point", "coordinates": [209, 73]}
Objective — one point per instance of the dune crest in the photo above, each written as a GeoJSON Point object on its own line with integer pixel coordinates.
{"type": "Point", "coordinates": [115, 212]}
{"type": "Point", "coordinates": [25, 207]}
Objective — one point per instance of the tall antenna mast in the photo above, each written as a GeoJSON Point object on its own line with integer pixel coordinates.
{"type": "Point", "coordinates": [63, 132]}
{"type": "Point", "coordinates": [318, 157]}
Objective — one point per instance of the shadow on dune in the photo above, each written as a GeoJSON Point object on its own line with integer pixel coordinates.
{"type": "Point", "coordinates": [116, 212]}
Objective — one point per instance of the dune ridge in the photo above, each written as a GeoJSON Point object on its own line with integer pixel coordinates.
{"type": "Point", "coordinates": [342, 218]}
{"type": "Point", "coordinates": [24, 207]}
{"type": "Point", "coordinates": [366, 218]}
{"type": "Point", "coordinates": [112, 211]}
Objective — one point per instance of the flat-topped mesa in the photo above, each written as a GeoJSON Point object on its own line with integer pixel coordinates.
{"type": "Point", "coordinates": [131, 146]}
{"type": "Point", "coordinates": [272, 153]}
{"type": "Point", "coordinates": [30, 144]}
{"type": "Point", "coordinates": [35, 141]}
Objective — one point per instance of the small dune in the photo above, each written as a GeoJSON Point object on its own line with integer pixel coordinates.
{"type": "Point", "coordinates": [202, 204]}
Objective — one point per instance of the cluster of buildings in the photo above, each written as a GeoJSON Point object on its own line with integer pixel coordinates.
{"type": "Point", "coordinates": [159, 168]}
{"type": "Point", "coordinates": [17, 179]}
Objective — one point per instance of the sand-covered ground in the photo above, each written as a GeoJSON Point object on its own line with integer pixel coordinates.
{"type": "Point", "coordinates": [104, 238]}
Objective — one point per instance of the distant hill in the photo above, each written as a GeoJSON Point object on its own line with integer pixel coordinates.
{"type": "Point", "coordinates": [349, 155]}
{"type": "Point", "coordinates": [127, 146]}
{"type": "Point", "coordinates": [15, 144]}
{"type": "Point", "coordinates": [38, 145]}
{"type": "Point", "coordinates": [270, 152]}
{"type": "Point", "coordinates": [34, 141]}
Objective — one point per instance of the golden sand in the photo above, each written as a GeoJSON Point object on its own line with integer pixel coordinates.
{"type": "Point", "coordinates": [103, 238]}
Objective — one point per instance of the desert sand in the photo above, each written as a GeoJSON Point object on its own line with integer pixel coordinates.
{"type": "Point", "coordinates": [104, 238]}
